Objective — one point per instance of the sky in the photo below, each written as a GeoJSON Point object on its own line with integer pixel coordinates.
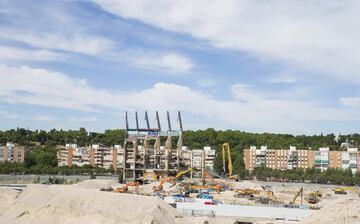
{"type": "Point", "coordinates": [259, 66]}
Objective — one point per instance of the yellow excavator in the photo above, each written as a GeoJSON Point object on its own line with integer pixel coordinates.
{"type": "Point", "coordinates": [226, 148]}
{"type": "Point", "coordinates": [298, 193]}
{"type": "Point", "coordinates": [170, 179]}
{"type": "Point", "coordinates": [344, 190]}
{"type": "Point", "coordinates": [314, 197]}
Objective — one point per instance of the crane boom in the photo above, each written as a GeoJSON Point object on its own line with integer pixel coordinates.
{"type": "Point", "coordinates": [226, 148]}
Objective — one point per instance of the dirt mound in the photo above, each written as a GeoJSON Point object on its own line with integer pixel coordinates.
{"type": "Point", "coordinates": [97, 184]}
{"type": "Point", "coordinates": [74, 204]}
{"type": "Point", "coordinates": [339, 211]}
{"type": "Point", "coordinates": [7, 196]}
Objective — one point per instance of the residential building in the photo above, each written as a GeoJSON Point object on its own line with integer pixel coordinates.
{"type": "Point", "coordinates": [322, 159]}
{"type": "Point", "coordinates": [12, 152]}
{"type": "Point", "coordinates": [94, 155]}
{"type": "Point", "coordinates": [294, 158]}
{"type": "Point", "coordinates": [209, 157]}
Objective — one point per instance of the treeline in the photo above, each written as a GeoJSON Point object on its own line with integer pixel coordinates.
{"type": "Point", "coordinates": [193, 139]}
{"type": "Point", "coordinates": [330, 176]}
{"type": "Point", "coordinates": [61, 137]}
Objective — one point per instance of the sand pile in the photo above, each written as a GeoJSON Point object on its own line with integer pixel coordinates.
{"type": "Point", "coordinates": [7, 196]}
{"type": "Point", "coordinates": [345, 211]}
{"type": "Point", "coordinates": [97, 184]}
{"type": "Point", "coordinates": [82, 204]}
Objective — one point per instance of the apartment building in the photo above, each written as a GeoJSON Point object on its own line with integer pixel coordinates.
{"type": "Point", "coordinates": [199, 159]}
{"type": "Point", "coordinates": [12, 152]}
{"type": "Point", "coordinates": [94, 155]}
{"type": "Point", "coordinates": [293, 158]}
{"type": "Point", "coordinates": [209, 157]}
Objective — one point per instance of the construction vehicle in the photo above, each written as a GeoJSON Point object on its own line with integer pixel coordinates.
{"type": "Point", "coordinates": [314, 197]}
{"type": "Point", "coordinates": [126, 187]}
{"type": "Point", "coordinates": [226, 148]}
{"type": "Point", "coordinates": [246, 193]}
{"type": "Point", "coordinates": [316, 194]}
{"type": "Point", "coordinates": [205, 196]}
{"type": "Point", "coordinates": [344, 190]}
{"type": "Point", "coordinates": [298, 193]}
{"type": "Point", "coordinates": [170, 179]}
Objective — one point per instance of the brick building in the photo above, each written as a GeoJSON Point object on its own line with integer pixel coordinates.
{"type": "Point", "coordinates": [12, 153]}
{"type": "Point", "coordinates": [293, 158]}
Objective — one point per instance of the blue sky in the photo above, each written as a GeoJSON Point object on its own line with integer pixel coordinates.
{"type": "Point", "coordinates": [278, 66]}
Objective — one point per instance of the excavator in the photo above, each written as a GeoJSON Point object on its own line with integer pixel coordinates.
{"type": "Point", "coordinates": [298, 193]}
{"type": "Point", "coordinates": [226, 148]}
{"type": "Point", "coordinates": [344, 190]}
{"type": "Point", "coordinates": [126, 187]}
{"type": "Point", "coordinates": [314, 197]}
{"type": "Point", "coordinates": [170, 179]}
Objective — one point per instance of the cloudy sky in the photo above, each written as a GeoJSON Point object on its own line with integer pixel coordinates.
{"type": "Point", "coordinates": [258, 66]}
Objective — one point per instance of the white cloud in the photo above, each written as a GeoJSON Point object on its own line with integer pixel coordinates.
{"type": "Point", "coordinates": [245, 93]}
{"type": "Point", "coordinates": [74, 42]}
{"type": "Point", "coordinates": [10, 54]}
{"type": "Point", "coordinates": [322, 36]}
{"type": "Point", "coordinates": [282, 78]}
{"type": "Point", "coordinates": [171, 62]}
{"type": "Point", "coordinates": [83, 119]}
{"type": "Point", "coordinates": [43, 118]}
{"type": "Point", "coordinates": [250, 109]}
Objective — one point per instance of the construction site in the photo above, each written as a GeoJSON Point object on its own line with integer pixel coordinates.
{"type": "Point", "coordinates": [161, 185]}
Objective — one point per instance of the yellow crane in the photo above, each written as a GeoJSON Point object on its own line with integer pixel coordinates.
{"type": "Point", "coordinates": [170, 179]}
{"type": "Point", "coordinates": [226, 148]}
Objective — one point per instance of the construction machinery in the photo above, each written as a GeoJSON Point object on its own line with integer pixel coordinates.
{"type": "Point", "coordinates": [298, 193]}
{"type": "Point", "coordinates": [314, 197]}
{"type": "Point", "coordinates": [246, 193]}
{"type": "Point", "coordinates": [126, 187]}
{"type": "Point", "coordinates": [344, 190]}
{"type": "Point", "coordinates": [170, 179]}
{"type": "Point", "coordinates": [226, 148]}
